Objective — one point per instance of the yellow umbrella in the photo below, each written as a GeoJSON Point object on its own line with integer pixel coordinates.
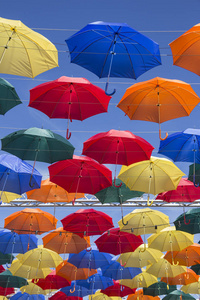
{"type": "Point", "coordinates": [100, 296]}
{"type": "Point", "coordinates": [40, 258]}
{"type": "Point", "coordinates": [18, 269]}
{"type": "Point", "coordinates": [3, 298]}
{"type": "Point", "coordinates": [30, 52]}
{"type": "Point", "coordinates": [164, 269]}
{"type": "Point", "coordinates": [192, 288]}
{"type": "Point", "coordinates": [33, 288]}
{"type": "Point", "coordinates": [7, 197]}
{"type": "Point", "coordinates": [153, 176]}
{"type": "Point", "coordinates": [143, 279]}
{"type": "Point", "coordinates": [140, 258]}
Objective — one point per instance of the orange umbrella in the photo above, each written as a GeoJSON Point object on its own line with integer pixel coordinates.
{"type": "Point", "coordinates": [70, 272]}
{"type": "Point", "coordinates": [30, 220]}
{"type": "Point", "coordinates": [182, 279]}
{"type": "Point", "coordinates": [62, 241]}
{"type": "Point", "coordinates": [187, 257]}
{"type": "Point", "coordinates": [158, 100]}
{"type": "Point", "coordinates": [51, 192]}
{"type": "Point", "coordinates": [138, 295]}
{"type": "Point", "coordinates": [186, 48]}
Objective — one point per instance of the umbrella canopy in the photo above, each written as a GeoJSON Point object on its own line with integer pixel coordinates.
{"type": "Point", "coordinates": [186, 257]}
{"type": "Point", "coordinates": [25, 296]}
{"type": "Point", "coordinates": [30, 52]}
{"type": "Point", "coordinates": [159, 288]}
{"type": "Point", "coordinates": [6, 291]}
{"type": "Point", "coordinates": [116, 242]}
{"type": "Point", "coordinates": [152, 176]}
{"type": "Point", "coordinates": [79, 291]}
{"type": "Point", "coordinates": [192, 288]}
{"type": "Point", "coordinates": [7, 197]}
{"type": "Point", "coordinates": [95, 282]}
{"type": "Point", "coordinates": [52, 282]}
{"type": "Point", "coordinates": [185, 192]}
{"type": "Point", "coordinates": [117, 290]}
{"type": "Point", "coordinates": [195, 268]}
{"type": "Point", "coordinates": [143, 279]}
{"type": "Point", "coordinates": [62, 241]}
{"type": "Point", "coordinates": [108, 39]}
{"type": "Point", "coordinates": [50, 192]}
{"type": "Point", "coordinates": [16, 175]}
{"type": "Point", "coordinates": [139, 295]}
{"type": "Point", "coordinates": [11, 242]}
{"type": "Point", "coordinates": [163, 268]}
{"type": "Point", "coordinates": [182, 279]}
{"type": "Point", "coordinates": [8, 96]}
{"type": "Point", "coordinates": [101, 296]}
{"type": "Point", "coordinates": [33, 289]}
{"type": "Point", "coordinates": [5, 258]}
{"type": "Point", "coordinates": [158, 100]}
{"type": "Point", "coordinates": [9, 280]}
{"type": "Point", "coordinates": [176, 295]}
{"type": "Point", "coordinates": [30, 220]}
{"type": "Point", "coordinates": [116, 271]}
{"type": "Point", "coordinates": [189, 221]}
{"type": "Point", "coordinates": [87, 222]}
{"type": "Point", "coordinates": [185, 50]}
{"type": "Point", "coordinates": [194, 171]}
{"type": "Point", "coordinates": [62, 296]}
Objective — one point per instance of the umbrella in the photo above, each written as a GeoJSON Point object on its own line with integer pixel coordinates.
{"type": "Point", "coordinates": [101, 296]}
{"type": "Point", "coordinates": [159, 288]}
{"type": "Point", "coordinates": [182, 279]}
{"type": "Point", "coordinates": [117, 290]}
{"type": "Point", "coordinates": [143, 279]}
{"type": "Point", "coordinates": [25, 296]}
{"type": "Point", "coordinates": [6, 291]}
{"type": "Point", "coordinates": [116, 242]}
{"type": "Point", "coordinates": [185, 50]}
{"type": "Point", "coordinates": [81, 174]}
{"type": "Point", "coordinates": [91, 259]}
{"type": "Point", "coordinates": [95, 282]}
{"type": "Point", "coordinates": [8, 280]}
{"type": "Point", "coordinates": [185, 192]}
{"type": "Point", "coordinates": [11, 242]}
{"type": "Point", "coordinates": [62, 241]}
{"type": "Point", "coordinates": [52, 282]}
{"type": "Point", "coordinates": [30, 52]}
{"type": "Point", "coordinates": [8, 98]}
{"type": "Point", "coordinates": [33, 289]}
{"type": "Point", "coordinates": [152, 176]}
{"type": "Point", "coordinates": [189, 221]}
{"type": "Point", "coordinates": [194, 172]}
{"type": "Point", "coordinates": [7, 197]}
{"type": "Point", "coordinates": [62, 296]}
{"type": "Point", "coordinates": [69, 98]}
{"type": "Point", "coordinates": [177, 295]}
{"type": "Point", "coordinates": [116, 271]}
{"type": "Point", "coordinates": [113, 50]}
{"type": "Point", "coordinates": [5, 258]}
{"type": "Point", "coordinates": [16, 174]}
{"type": "Point", "coordinates": [87, 222]}
{"type": "Point", "coordinates": [192, 288]}
{"type": "Point", "coordinates": [141, 257]}
{"type": "Point", "coordinates": [30, 220]}
{"type": "Point", "coordinates": [195, 268]}
{"type": "Point", "coordinates": [139, 295]}
{"type": "Point", "coordinates": [71, 272]}
{"type": "Point", "coordinates": [50, 192]}
{"type": "Point", "coordinates": [164, 268]}
{"type": "Point", "coordinates": [79, 291]}
{"type": "Point", "coordinates": [158, 100]}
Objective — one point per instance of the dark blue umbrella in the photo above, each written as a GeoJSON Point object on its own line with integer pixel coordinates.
{"type": "Point", "coordinates": [182, 146]}
{"type": "Point", "coordinates": [25, 296]}
{"type": "Point", "coordinates": [11, 242]}
{"type": "Point", "coordinates": [15, 175]}
{"type": "Point", "coordinates": [115, 271]}
{"type": "Point", "coordinates": [95, 282]}
{"type": "Point", "coordinates": [113, 50]}
{"type": "Point", "coordinates": [91, 259]}
{"type": "Point", "coordinates": [76, 290]}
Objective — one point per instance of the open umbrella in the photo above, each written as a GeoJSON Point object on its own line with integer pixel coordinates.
{"type": "Point", "coordinates": [113, 50]}
{"type": "Point", "coordinates": [79, 291]}
{"type": "Point", "coordinates": [159, 288]}
{"type": "Point", "coordinates": [116, 271]}
{"type": "Point", "coordinates": [117, 290]}
{"type": "Point", "coordinates": [5, 258]}
{"type": "Point", "coordinates": [30, 52]}
{"type": "Point", "coordinates": [7, 197]}
{"type": "Point", "coordinates": [69, 98]}
{"type": "Point", "coordinates": [62, 296]}
{"type": "Point", "coordinates": [25, 296]}
{"type": "Point", "coordinates": [33, 289]}
{"type": "Point", "coordinates": [194, 174]}
{"type": "Point", "coordinates": [182, 279]}
{"type": "Point", "coordinates": [6, 291]}
{"type": "Point", "coordinates": [189, 221]}
{"type": "Point", "coordinates": [8, 280]}
{"type": "Point", "coordinates": [158, 100]}
{"type": "Point", "coordinates": [8, 96]}
{"type": "Point", "coordinates": [52, 282]}
{"type": "Point", "coordinates": [163, 268]}
{"type": "Point", "coordinates": [101, 296]}
{"type": "Point", "coordinates": [176, 295]}
{"type": "Point", "coordinates": [143, 279]}
{"type": "Point", "coordinates": [95, 282]}
{"type": "Point", "coordinates": [139, 295]}
{"type": "Point", "coordinates": [192, 288]}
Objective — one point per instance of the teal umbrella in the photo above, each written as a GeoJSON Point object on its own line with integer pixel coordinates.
{"type": "Point", "coordinates": [194, 173]}
{"type": "Point", "coordinates": [158, 288]}
{"type": "Point", "coordinates": [5, 258]}
{"type": "Point", "coordinates": [189, 221]}
{"type": "Point", "coordinates": [196, 268]}
{"type": "Point", "coordinates": [8, 96]}
{"type": "Point", "coordinates": [8, 280]}
{"type": "Point", "coordinates": [177, 295]}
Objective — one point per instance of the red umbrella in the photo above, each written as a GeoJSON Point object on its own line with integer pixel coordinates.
{"type": "Point", "coordinates": [87, 222]}
{"type": "Point", "coordinates": [62, 296]}
{"type": "Point", "coordinates": [117, 290]}
{"type": "Point", "coordinates": [6, 291]}
{"type": "Point", "coordinates": [186, 192]}
{"type": "Point", "coordinates": [116, 242]}
{"type": "Point", "coordinates": [81, 174]}
{"type": "Point", "coordinates": [52, 282]}
{"type": "Point", "coordinates": [69, 98]}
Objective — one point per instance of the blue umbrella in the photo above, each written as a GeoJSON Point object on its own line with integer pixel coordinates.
{"type": "Point", "coordinates": [76, 290]}
{"type": "Point", "coordinates": [113, 50]}
{"type": "Point", "coordinates": [25, 296]}
{"type": "Point", "coordinates": [115, 271]}
{"type": "Point", "coordinates": [11, 242]}
{"type": "Point", "coordinates": [91, 259]}
{"type": "Point", "coordinates": [95, 282]}
{"type": "Point", "coordinates": [15, 175]}
{"type": "Point", "coordinates": [182, 146]}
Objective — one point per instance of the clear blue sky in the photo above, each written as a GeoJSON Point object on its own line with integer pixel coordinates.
{"type": "Point", "coordinates": [160, 20]}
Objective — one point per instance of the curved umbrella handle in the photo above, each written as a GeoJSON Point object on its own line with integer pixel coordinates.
{"type": "Point", "coordinates": [173, 263]}
{"type": "Point", "coordinates": [109, 94]}
{"type": "Point", "coordinates": [72, 291]}
{"type": "Point", "coordinates": [142, 250]}
{"type": "Point", "coordinates": [30, 184]}
{"type": "Point", "coordinates": [68, 134]}
{"type": "Point", "coordinates": [166, 135]}
{"type": "Point", "coordinates": [186, 223]}
{"type": "Point", "coordinates": [117, 186]}
{"type": "Point", "coordinates": [148, 203]}
{"type": "Point", "coordinates": [123, 221]}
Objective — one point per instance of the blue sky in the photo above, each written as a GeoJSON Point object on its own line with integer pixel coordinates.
{"type": "Point", "coordinates": [162, 21]}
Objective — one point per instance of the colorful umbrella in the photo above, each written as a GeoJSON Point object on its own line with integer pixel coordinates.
{"type": "Point", "coordinates": [143, 279]}
{"type": "Point", "coordinates": [182, 279]}
{"type": "Point", "coordinates": [69, 98]}
{"type": "Point", "coordinates": [159, 288]}
{"type": "Point", "coordinates": [108, 39]}
{"type": "Point", "coordinates": [8, 98]}
{"type": "Point", "coordinates": [79, 291]}
{"type": "Point", "coordinates": [62, 296]}
{"type": "Point", "coordinates": [95, 282]}
{"type": "Point", "coordinates": [177, 295]}
{"type": "Point", "coordinates": [62, 241]}
{"type": "Point", "coordinates": [139, 295]}
{"type": "Point", "coordinates": [87, 222]}
{"type": "Point", "coordinates": [185, 50]}
{"type": "Point", "coordinates": [7, 197]}
{"type": "Point", "coordinates": [192, 288]}
{"type": "Point", "coordinates": [33, 289]}
{"type": "Point", "coordinates": [8, 280]}
{"type": "Point", "coordinates": [5, 258]}
{"type": "Point", "coordinates": [194, 174]}
{"type": "Point", "coordinates": [100, 296]}
{"type": "Point", "coordinates": [30, 220]}
{"type": "Point", "coordinates": [116, 271]}
{"type": "Point", "coordinates": [25, 296]}
{"type": "Point", "coordinates": [117, 290]}
{"type": "Point", "coordinates": [52, 282]}
{"type": "Point", "coordinates": [30, 52]}
{"type": "Point", "coordinates": [116, 242]}
{"type": "Point", "coordinates": [189, 221]}
{"type": "Point", "coordinates": [6, 291]}
{"type": "Point", "coordinates": [152, 176]}
{"type": "Point", "coordinates": [163, 268]}
{"type": "Point", "coordinates": [158, 100]}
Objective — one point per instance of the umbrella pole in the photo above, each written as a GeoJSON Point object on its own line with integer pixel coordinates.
{"type": "Point", "coordinates": [111, 61]}
{"type": "Point", "coordinates": [6, 46]}
{"type": "Point", "coordinates": [79, 177]}
{"type": "Point", "coordinates": [117, 153]}
{"type": "Point", "coordinates": [7, 174]}
{"type": "Point", "coordinates": [158, 105]}
{"type": "Point", "coordinates": [36, 154]}
{"type": "Point", "coordinates": [150, 177]}
{"type": "Point", "coordinates": [68, 134]}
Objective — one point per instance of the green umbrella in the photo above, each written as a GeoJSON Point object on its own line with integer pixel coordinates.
{"type": "Point", "coordinates": [8, 96]}
{"type": "Point", "coordinates": [158, 288]}
{"type": "Point", "coordinates": [177, 295]}
{"type": "Point", "coordinates": [6, 258]}
{"type": "Point", "coordinates": [189, 221]}
{"type": "Point", "coordinates": [8, 280]}
{"type": "Point", "coordinates": [194, 170]}
{"type": "Point", "coordinates": [196, 268]}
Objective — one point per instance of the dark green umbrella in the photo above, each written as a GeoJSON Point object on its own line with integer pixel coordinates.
{"type": "Point", "coordinates": [196, 268]}
{"type": "Point", "coordinates": [8, 96]}
{"type": "Point", "coordinates": [194, 173]}
{"type": "Point", "coordinates": [189, 221]}
{"type": "Point", "coordinates": [5, 258]}
{"type": "Point", "coordinates": [177, 295]}
{"type": "Point", "coordinates": [117, 193]}
{"type": "Point", "coordinates": [8, 280]}
{"type": "Point", "coordinates": [159, 288]}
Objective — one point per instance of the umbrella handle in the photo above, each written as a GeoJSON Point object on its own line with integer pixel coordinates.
{"type": "Point", "coordinates": [109, 94]}
{"type": "Point", "coordinates": [142, 250]}
{"type": "Point", "coordinates": [117, 186]}
{"type": "Point", "coordinates": [166, 135]}
{"type": "Point", "coordinates": [186, 223]}
{"type": "Point", "coordinates": [173, 263]}
{"type": "Point", "coordinates": [148, 203]}
{"type": "Point", "coordinates": [30, 184]}
{"type": "Point", "coordinates": [68, 134]}
{"type": "Point", "coordinates": [72, 291]}
{"type": "Point", "coordinates": [123, 221]}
